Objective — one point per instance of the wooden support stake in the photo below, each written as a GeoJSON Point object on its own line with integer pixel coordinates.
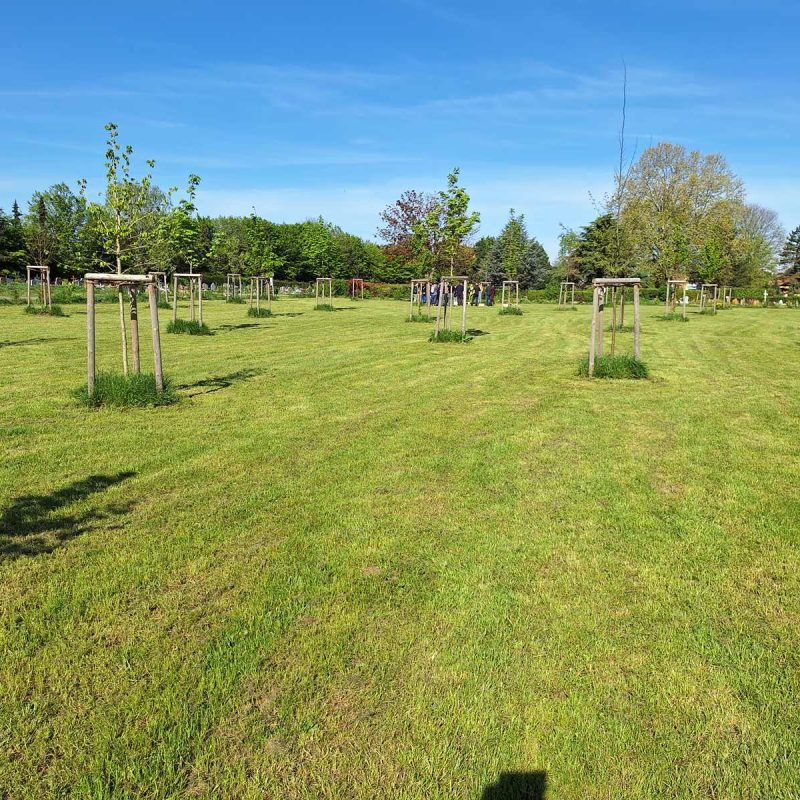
{"type": "Point", "coordinates": [152, 297]}
{"type": "Point", "coordinates": [464, 311]}
{"type": "Point", "coordinates": [600, 308]}
{"type": "Point", "coordinates": [200, 298]}
{"type": "Point", "coordinates": [636, 321]}
{"type": "Point", "coordinates": [174, 298]}
{"type": "Point", "coordinates": [613, 319]}
{"type": "Point", "coordinates": [438, 309]}
{"type": "Point", "coordinates": [123, 332]}
{"type": "Point", "coordinates": [90, 358]}
{"type": "Point", "coordinates": [137, 366]}
{"type": "Point", "coordinates": [593, 334]}
{"type": "Point", "coordinates": [29, 285]}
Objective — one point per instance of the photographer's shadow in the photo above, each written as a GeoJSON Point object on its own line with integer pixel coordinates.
{"type": "Point", "coordinates": [517, 786]}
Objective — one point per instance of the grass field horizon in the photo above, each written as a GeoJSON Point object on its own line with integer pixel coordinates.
{"type": "Point", "coordinates": [351, 563]}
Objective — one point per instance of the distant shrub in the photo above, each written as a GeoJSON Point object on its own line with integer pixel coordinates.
{"type": "Point", "coordinates": [258, 312]}
{"type": "Point", "coordinates": [450, 336]}
{"type": "Point", "coordinates": [112, 389]}
{"type": "Point", "coordinates": [608, 366]}
{"type": "Point", "coordinates": [238, 299]}
{"type": "Point", "coordinates": [44, 311]}
{"type": "Point", "coordinates": [513, 311]}
{"type": "Point", "coordinates": [709, 311]}
{"type": "Point", "coordinates": [190, 326]}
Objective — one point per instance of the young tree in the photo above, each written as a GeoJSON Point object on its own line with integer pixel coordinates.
{"type": "Point", "coordinates": [457, 225]}
{"type": "Point", "coordinates": [566, 267]}
{"type": "Point", "coordinates": [790, 254]}
{"type": "Point", "coordinates": [178, 244]}
{"type": "Point", "coordinates": [126, 224]}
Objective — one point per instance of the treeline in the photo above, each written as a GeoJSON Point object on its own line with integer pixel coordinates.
{"type": "Point", "coordinates": [673, 214]}
{"type": "Point", "coordinates": [62, 230]}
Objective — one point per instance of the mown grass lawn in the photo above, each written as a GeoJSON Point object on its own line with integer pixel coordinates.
{"type": "Point", "coordinates": [354, 564]}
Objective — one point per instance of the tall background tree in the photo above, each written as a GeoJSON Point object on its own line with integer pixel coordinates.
{"type": "Point", "coordinates": [790, 253]}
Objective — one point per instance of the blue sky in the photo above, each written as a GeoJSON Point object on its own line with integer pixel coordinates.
{"type": "Point", "coordinates": [307, 108]}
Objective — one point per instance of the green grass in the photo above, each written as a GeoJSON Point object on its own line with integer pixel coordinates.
{"type": "Point", "coordinates": [514, 311]}
{"type": "Point", "coordinates": [419, 318]}
{"type": "Point", "coordinates": [349, 564]}
{"type": "Point", "coordinates": [616, 366]}
{"type": "Point", "coordinates": [259, 312]}
{"type": "Point", "coordinates": [43, 311]}
{"type": "Point", "coordinates": [189, 326]}
{"type": "Point", "coordinates": [709, 311]}
{"type": "Point", "coordinates": [324, 307]}
{"type": "Point", "coordinates": [113, 389]}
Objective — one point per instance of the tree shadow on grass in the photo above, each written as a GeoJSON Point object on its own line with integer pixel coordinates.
{"type": "Point", "coordinates": [31, 524]}
{"type": "Point", "coordinates": [211, 385]}
{"type": "Point", "coordinates": [476, 332]}
{"type": "Point", "coordinates": [288, 314]}
{"type": "Point", "coordinates": [38, 340]}
{"type": "Point", "coordinates": [243, 326]}
{"type": "Point", "coordinates": [517, 786]}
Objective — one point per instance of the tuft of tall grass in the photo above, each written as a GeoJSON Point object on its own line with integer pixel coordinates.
{"type": "Point", "coordinates": [608, 366]}
{"type": "Point", "coordinates": [256, 312]}
{"type": "Point", "coordinates": [238, 300]}
{"type": "Point", "coordinates": [450, 336]}
{"type": "Point", "coordinates": [119, 391]}
{"type": "Point", "coordinates": [418, 318]}
{"type": "Point", "coordinates": [673, 316]}
{"type": "Point", "coordinates": [324, 307]}
{"type": "Point", "coordinates": [514, 311]}
{"type": "Point", "coordinates": [44, 311]}
{"type": "Point", "coordinates": [620, 328]}
{"type": "Point", "coordinates": [190, 326]}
